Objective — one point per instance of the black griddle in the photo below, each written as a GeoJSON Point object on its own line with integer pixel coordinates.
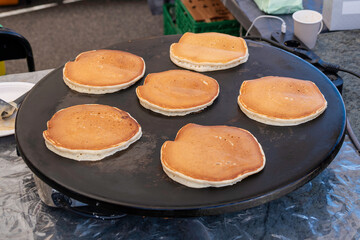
{"type": "Point", "coordinates": [132, 181]}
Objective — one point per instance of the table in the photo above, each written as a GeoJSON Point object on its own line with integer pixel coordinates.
{"type": "Point", "coordinates": [245, 11]}
{"type": "Point", "coordinates": [326, 207]}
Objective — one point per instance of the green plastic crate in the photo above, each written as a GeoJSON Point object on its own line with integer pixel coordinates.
{"type": "Point", "coordinates": [186, 23]}
{"type": "Point", "coordinates": [170, 26]}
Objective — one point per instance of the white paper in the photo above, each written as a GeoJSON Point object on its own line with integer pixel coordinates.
{"type": "Point", "coordinates": [351, 7]}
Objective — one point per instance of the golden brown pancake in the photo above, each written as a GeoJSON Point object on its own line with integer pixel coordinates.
{"type": "Point", "coordinates": [90, 132]}
{"type": "Point", "coordinates": [211, 156]}
{"type": "Point", "coordinates": [281, 101]}
{"type": "Point", "coordinates": [103, 71]}
{"type": "Point", "coordinates": [208, 51]}
{"type": "Point", "coordinates": [177, 92]}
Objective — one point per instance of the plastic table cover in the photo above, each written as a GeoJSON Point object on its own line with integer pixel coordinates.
{"type": "Point", "coordinates": [327, 207]}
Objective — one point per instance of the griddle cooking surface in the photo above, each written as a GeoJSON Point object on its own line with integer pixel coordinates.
{"type": "Point", "coordinates": [133, 181]}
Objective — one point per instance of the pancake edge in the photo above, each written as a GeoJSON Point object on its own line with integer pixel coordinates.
{"type": "Point", "coordinates": [176, 111]}
{"type": "Point", "coordinates": [207, 66]}
{"type": "Point", "coordinates": [91, 155]}
{"type": "Point", "coordinates": [82, 88]}
{"type": "Point", "coordinates": [198, 183]}
{"type": "Point", "coordinates": [280, 121]}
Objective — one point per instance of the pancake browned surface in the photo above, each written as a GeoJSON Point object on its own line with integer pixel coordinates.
{"type": "Point", "coordinates": [211, 156]}
{"type": "Point", "coordinates": [281, 101]}
{"type": "Point", "coordinates": [90, 132]}
{"type": "Point", "coordinates": [177, 92]}
{"type": "Point", "coordinates": [103, 71]}
{"type": "Point", "coordinates": [209, 51]}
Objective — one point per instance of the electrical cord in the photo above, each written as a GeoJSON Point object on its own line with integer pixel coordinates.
{"type": "Point", "coordinates": [268, 41]}
{"type": "Point", "coordinates": [350, 72]}
{"type": "Point", "coordinates": [283, 25]}
{"type": "Point", "coordinates": [334, 68]}
{"type": "Point", "coordinates": [307, 55]}
{"type": "Point", "coordinates": [352, 136]}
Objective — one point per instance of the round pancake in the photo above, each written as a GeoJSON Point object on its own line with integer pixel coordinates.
{"type": "Point", "coordinates": [90, 132]}
{"type": "Point", "coordinates": [281, 101]}
{"type": "Point", "coordinates": [211, 156]}
{"type": "Point", "coordinates": [103, 71]}
{"type": "Point", "coordinates": [177, 92]}
{"type": "Point", "coordinates": [204, 52]}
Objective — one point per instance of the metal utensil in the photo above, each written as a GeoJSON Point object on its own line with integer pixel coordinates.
{"type": "Point", "coordinates": [7, 109]}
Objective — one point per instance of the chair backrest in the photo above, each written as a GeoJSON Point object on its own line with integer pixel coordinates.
{"type": "Point", "coordinates": [14, 46]}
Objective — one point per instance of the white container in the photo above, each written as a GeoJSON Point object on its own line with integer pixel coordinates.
{"type": "Point", "coordinates": [307, 25]}
{"type": "Point", "coordinates": [341, 14]}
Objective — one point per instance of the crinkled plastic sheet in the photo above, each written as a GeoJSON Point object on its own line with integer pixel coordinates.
{"type": "Point", "coordinates": [328, 207]}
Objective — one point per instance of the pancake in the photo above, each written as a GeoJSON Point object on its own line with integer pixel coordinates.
{"type": "Point", "coordinates": [103, 71]}
{"type": "Point", "coordinates": [281, 101]}
{"type": "Point", "coordinates": [204, 52]}
{"type": "Point", "coordinates": [90, 132]}
{"type": "Point", "coordinates": [211, 156]}
{"type": "Point", "coordinates": [177, 92]}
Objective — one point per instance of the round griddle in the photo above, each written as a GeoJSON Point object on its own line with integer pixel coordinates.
{"type": "Point", "coordinates": [133, 181]}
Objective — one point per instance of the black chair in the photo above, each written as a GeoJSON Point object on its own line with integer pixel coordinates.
{"type": "Point", "coordinates": [14, 46]}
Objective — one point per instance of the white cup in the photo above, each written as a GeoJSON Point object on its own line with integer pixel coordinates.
{"type": "Point", "coordinates": [307, 25]}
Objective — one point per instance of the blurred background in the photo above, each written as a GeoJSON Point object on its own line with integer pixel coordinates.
{"type": "Point", "coordinates": [63, 29]}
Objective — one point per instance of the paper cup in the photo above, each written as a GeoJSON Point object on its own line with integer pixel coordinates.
{"type": "Point", "coordinates": [307, 25]}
